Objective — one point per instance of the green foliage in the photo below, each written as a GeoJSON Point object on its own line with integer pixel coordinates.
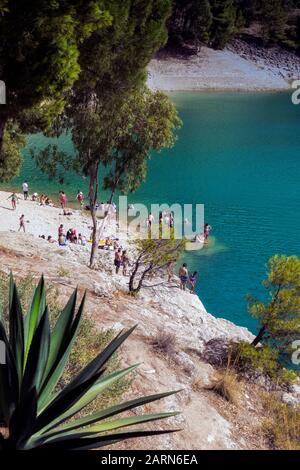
{"type": "Point", "coordinates": [35, 414]}
{"type": "Point", "coordinates": [152, 259]}
{"type": "Point", "coordinates": [190, 20]}
{"type": "Point", "coordinates": [216, 21]}
{"type": "Point", "coordinates": [122, 141]}
{"type": "Point", "coordinates": [113, 64]}
{"type": "Point", "coordinates": [274, 28]}
{"type": "Point", "coordinates": [39, 52]}
{"type": "Point", "coordinates": [121, 53]}
{"type": "Point", "coordinates": [88, 344]}
{"type": "Point", "coordinates": [223, 24]}
{"type": "Point", "coordinates": [151, 120]}
{"type": "Point", "coordinates": [40, 45]}
{"type": "Point", "coordinates": [247, 358]}
{"type": "Point", "coordinates": [279, 317]}
{"type": "Point", "coordinates": [10, 154]}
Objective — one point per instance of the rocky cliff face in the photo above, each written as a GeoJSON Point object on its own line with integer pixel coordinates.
{"type": "Point", "coordinates": [205, 422]}
{"type": "Point", "coordinates": [173, 329]}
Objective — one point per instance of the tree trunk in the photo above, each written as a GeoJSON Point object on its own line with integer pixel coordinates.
{"type": "Point", "coordinates": [136, 290]}
{"type": "Point", "coordinates": [93, 194]}
{"type": "Point", "coordinates": [259, 337]}
{"type": "Point", "coordinates": [132, 278]}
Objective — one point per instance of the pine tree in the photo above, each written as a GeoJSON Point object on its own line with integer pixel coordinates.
{"type": "Point", "coordinates": [223, 24]}
{"type": "Point", "coordinates": [279, 318]}
{"type": "Point", "coordinates": [275, 18]}
{"type": "Point", "coordinates": [190, 20]}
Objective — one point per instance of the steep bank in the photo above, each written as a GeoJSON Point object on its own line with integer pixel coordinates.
{"type": "Point", "coordinates": [240, 67]}
{"type": "Point", "coordinates": [180, 314]}
{"type": "Point", "coordinates": [164, 309]}
{"type": "Point", "coordinates": [207, 420]}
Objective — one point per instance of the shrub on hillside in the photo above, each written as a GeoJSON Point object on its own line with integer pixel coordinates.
{"type": "Point", "coordinates": [282, 425]}
{"type": "Point", "coordinates": [226, 385]}
{"type": "Point", "coordinates": [248, 359]}
{"type": "Point", "coordinates": [88, 344]}
{"type": "Point", "coordinates": [164, 343]}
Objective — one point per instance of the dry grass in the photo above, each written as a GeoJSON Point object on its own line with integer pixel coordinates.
{"type": "Point", "coordinates": [63, 272]}
{"type": "Point", "coordinates": [282, 425]}
{"type": "Point", "coordinates": [164, 343]}
{"type": "Point", "coordinates": [226, 385]}
{"type": "Point", "coordinates": [197, 384]}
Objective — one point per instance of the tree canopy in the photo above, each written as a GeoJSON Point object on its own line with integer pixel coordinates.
{"type": "Point", "coordinates": [39, 49]}
{"type": "Point", "coordinates": [59, 52]}
{"type": "Point", "coordinates": [120, 141]}
{"type": "Point", "coordinates": [215, 22]}
{"type": "Point", "coordinates": [279, 316]}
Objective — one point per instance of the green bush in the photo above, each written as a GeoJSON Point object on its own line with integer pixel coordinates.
{"type": "Point", "coordinates": [88, 344]}
{"type": "Point", "coordinates": [247, 358]}
{"type": "Point", "coordinates": [36, 409]}
{"type": "Point", "coordinates": [282, 425]}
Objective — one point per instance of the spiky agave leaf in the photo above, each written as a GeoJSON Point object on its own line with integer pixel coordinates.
{"type": "Point", "coordinates": [37, 416]}
{"type": "Point", "coordinates": [16, 327]}
{"type": "Point", "coordinates": [62, 340]}
{"type": "Point", "coordinates": [34, 315]}
{"type": "Point", "coordinates": [9, 381]}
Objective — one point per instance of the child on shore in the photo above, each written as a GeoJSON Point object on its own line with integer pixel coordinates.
{"type": "Point", "coordinates": [80, 198]}
{"type": "Point", "coordinates": [22, 223]}
{"type": "Point", "coordinates": [14, 199]}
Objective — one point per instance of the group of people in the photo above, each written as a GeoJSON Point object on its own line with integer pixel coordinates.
{"type": "Point", "coordinates": [121, 260]}
{"type": "Point", "coordinates": [187, 279]}
{"type": "Point", "coordinates": [165, 217]}
{"type": "Point", "coordinates": [70, 237]}
{"type": "Point", "coordinates": [43, 199]}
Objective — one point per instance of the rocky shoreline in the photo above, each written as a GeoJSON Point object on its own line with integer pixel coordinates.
{"type": "Point", "coordinates": [180, 318]}
{"type": "Point", "coordinates": [276, 60]}
{"type": "Point", "coordinates": [241, 66]}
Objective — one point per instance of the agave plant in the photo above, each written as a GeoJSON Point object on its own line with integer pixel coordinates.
{"type": "Point", "coordinates": [34, 413]}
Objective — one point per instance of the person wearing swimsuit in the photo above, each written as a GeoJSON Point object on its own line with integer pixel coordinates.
{"type": "Point", "coordinates": [14, 198]}
{"type": "Point", "coordinates": [22, 223]}
{"type": "Point", "coordinates": [192, 281]}
{"type": "Point", "coordinates": [183, 276]}
{"type": "Point", "coordinates": [207, 229]}
{"type": "Point", "coordinates": [118, 260]}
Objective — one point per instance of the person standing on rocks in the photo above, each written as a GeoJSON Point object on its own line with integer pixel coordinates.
{"type": "Point", "coordinates": [183, 276]}
{"type": "Point", "coordinates": [80, 198]}
{"type": "Point", "coordinates": [193, 281]}
{"type": "Point", "coordinates": [125, 262]}
{"type": "Point", "coordinates": [22, 223]}
{"type": "Point", "coordinates": [63, 199]}
{"type": "Point", "coordinates": [170, 270]}
{"type": "Point", "coordinates": [118, 260]}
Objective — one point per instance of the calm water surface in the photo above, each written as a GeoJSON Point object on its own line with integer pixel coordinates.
{"type": "Point", "coordinates": [239, 155]}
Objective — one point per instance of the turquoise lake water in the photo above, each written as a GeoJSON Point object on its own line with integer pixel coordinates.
{"type": "Point", "coordinates": [239, 155]}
